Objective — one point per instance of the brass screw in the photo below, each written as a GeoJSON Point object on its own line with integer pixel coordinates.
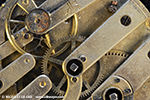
{"type": "Point", "coordinates": [117, 80]}
{"type": "Point", "coordinates": [113, 6]}
{"type": "Point", "coordinates": [83, 58]}
{"type": "Point", "coordinates": [74, 79]}
{"type": "Point", "coordinates": [125, 20]}
{"type": "Point", "coordinates": [26, 36]}
{"type": "Point", "coordinates": [25, 2]}
{"type": "Point", "coordinates": [127, 90]}
{"type": "Point", "coordinates": [42, 84]}
{"type": "Point", "coordinates": [26, 61]}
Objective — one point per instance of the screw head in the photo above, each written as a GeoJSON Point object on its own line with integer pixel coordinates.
{"type": "Point", "coordinates": [74, 79]}
{"type": "Point", "coordinates": [125, 20]}
{"type": "Point", "coordinates": [112, 8]}
{"type": "Point", "coordinates": [83, 58]}
{"type": "Point", "coordinates": [127, 90]}
{"type": "Point", "coordinates": [25, 2]}
{"type": "Point", "coordinates": [74, 67]}
{"type": "Point", "coordinates": [117, 80]}
{"type": "Point", "coordinates": [113, 96]}
{"type": "Point", "coordinates": [42, 84]}
{"type": "Point", "coordinates": [26, 61]}
{"type": "Point", "coordinates": [26, 36]}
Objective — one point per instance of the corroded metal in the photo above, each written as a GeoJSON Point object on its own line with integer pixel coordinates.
{"type": "Point", "coordinates": [38, 21]}
{"type": "Point", "coordinates": [22, 65]}
{"type": "Point", "coordinates": [36, 89]}
{"type": "Point", "coordinates": [102, 40]}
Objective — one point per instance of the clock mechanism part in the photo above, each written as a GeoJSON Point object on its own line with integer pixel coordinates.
{"type": "Point", "coordinates": [74, 49]}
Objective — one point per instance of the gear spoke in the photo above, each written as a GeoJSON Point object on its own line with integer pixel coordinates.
{"type": "Point", "coordinates": [73, 45]}
{"type": "Point", "coordinates": [62, 82]}
{"type": "Point", "coordinates": [27, 5]}
{"type": "Point", "coordinates": [56, 61]}
{"type": "Point", "coordinates": [49, 57]}
{"type": "Point", "coordinates": [48, 42]}
{"type": "Point", "coordinates": [49, 69]}
{"type": "Point", "coordinates": [17, 21]}
{"type": "Point", "coordinates": [87, 85]}
{"type": "Point", "coordinates": [62, 50]}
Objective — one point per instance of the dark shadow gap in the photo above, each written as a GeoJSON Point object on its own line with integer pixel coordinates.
{"type": "Point", "coordinates": [2, 1]}
{"type": "Point", "coordinates": [146, 3]}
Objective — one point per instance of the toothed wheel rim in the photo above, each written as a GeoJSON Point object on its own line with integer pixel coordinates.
{"type": "Point", "coordinates": [47, 55]}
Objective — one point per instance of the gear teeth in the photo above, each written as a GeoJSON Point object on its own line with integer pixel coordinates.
{"type": "Point", "coordinates": [85, 94]}
{"type": "Point", "coordinates": [112, 52]}
{"type": "Point", "coordinates": [80, 39]}
{"type": "Point", "coordinates": [47, 55]}
{"type": "Point", "coordinates": [53, 43]}
{"type": "Point", "coordinates": [42, 72]}
{"type": "Point", "coordinates": [56, 92]}
{"type": "Point", "coordinates": [117, 53]}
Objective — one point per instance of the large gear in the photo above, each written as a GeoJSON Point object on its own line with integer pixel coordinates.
{"type": "Point", "coordinates": [52, 65]}
{"type": "Point", "coordinates": [18, 22]}
{"type": "Point", "coordinates": [50, 44]}
{"type": "Point", "coordinates": [115, 59]}
{"type": "Point", "coordinates": [37, 46]}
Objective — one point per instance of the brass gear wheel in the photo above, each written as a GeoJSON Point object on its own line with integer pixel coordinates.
{"type": "Point", "coordinates": [52, 66]}
{"type": "Point", "coordinates": [111, 61]}
{"type": "Point", "coordinates": [24, 26]}
{"type": "Point", "coordinates": [16, 27]}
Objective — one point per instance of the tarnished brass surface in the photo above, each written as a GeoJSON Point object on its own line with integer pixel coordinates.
{"type": "Point", "coordinates": [143, 92]}
{"type": "Point", "coordinates": [73, 88]}
{"type": "Point", "coordinates": [134, 63]}
{"type": "Point", "coordinates": [14, 71]}
{"type": "Point", "coordinates": [104, 38]}
{"type": "Point", "coordinates": [20, 41]}
{"type": "Point", "coordinates": [36, 89]}
{"type": "Point", "coordinates": [86, 49]}
{"type": "Point", "coordinates": [38, 21]}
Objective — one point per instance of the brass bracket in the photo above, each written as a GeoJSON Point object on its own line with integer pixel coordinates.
{"type": "Point", "coordinates": [16, 70]}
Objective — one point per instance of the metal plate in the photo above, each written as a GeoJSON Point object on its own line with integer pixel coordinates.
{"type": "Point", "coordinates": [35, 90]}
{"type": "Point", "coordinates": [16, 70]}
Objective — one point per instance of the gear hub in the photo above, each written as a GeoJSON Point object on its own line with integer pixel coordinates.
{"type": "Point", "coordinates": [38, 21]}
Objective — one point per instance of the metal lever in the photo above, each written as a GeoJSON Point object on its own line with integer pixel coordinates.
{"type": "Point", "coordinates": [14, 71]}
{"type": "Point", "coordinates": [132, 70]}
{"type": "Point", "coordinates": [35, 90]}
{"type": "Point", "coordinates": [106, 36]}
